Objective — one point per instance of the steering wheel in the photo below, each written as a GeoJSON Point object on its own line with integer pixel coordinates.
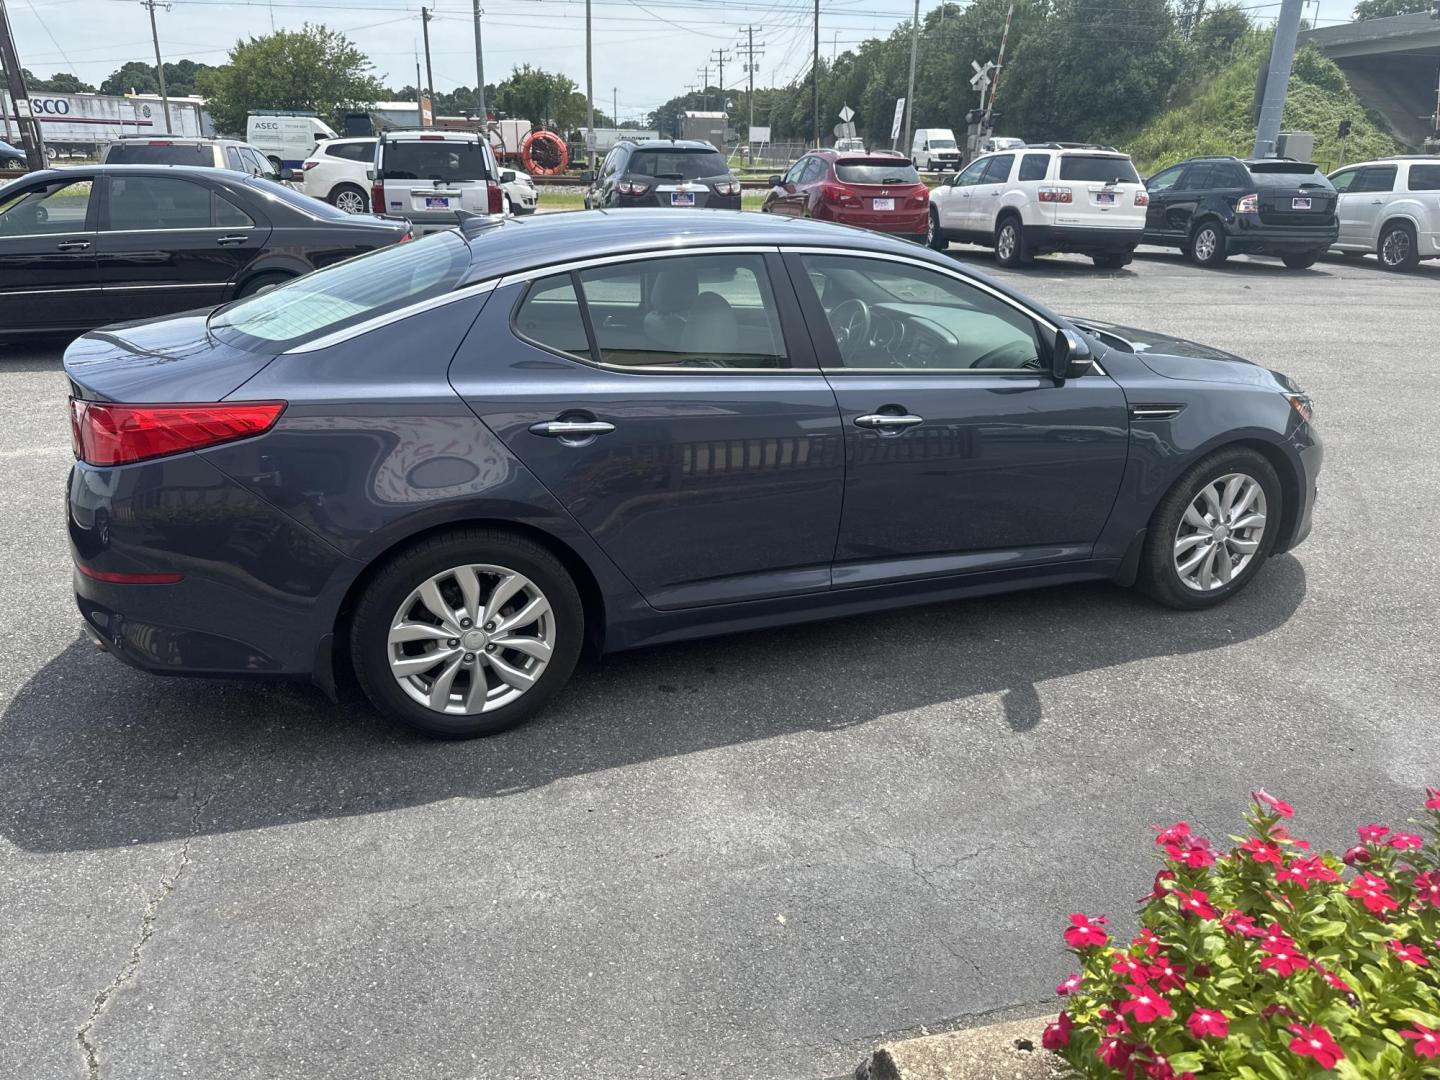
{"type": "Point", "coordinates": [850, 320]}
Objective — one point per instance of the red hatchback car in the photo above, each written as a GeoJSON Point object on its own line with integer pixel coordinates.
{"type": "Point", "coordinates": [876, 191]}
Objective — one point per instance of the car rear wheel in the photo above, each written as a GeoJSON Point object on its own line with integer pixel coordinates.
{"type": "Point", "coordinates": [351, 199]}
{"type": "Point", "coordinates": [933, 236]}
{"type": "Point", "coordinates": [1398, 250]}
{"type": "Point", "coordinates": [1113, 260]}
{"type": "Point", "coordinates": [1010, 244]}
{"type": "Point", "coordinates": [1212, 531]}
{"type": "Point", "coordinates": [467, 634]}
{"type": "Point", "coordinates": [1207, 244]}
{"type": "Point", "coordinates": [1303, 261]}
{"type": "Point", "coordinates": [506, 210]}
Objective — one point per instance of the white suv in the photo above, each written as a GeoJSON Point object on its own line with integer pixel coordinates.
{"type": "Point", "coordinates": [336, 171]}
{"type": "Point", "coordinates": [1390, 207]}
{"type": "Point", "coordinates": [430, 176]}
{"type": "Point", "coordinates": [1034, 200]}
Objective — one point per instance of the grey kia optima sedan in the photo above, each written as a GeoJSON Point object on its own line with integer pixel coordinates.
{"type": "Point", "coordinates": [448, 465]}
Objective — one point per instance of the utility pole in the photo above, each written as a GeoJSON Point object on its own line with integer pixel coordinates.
{"type": "Point", "coordinates": [480, 73]}
{"type": "Point", "coordinates": [986, 127]}
{"type": "Point", "coordinates": [425, 17]}
{"type": "Point", "coordinates": [1277, 78]}
{"type": "Point", "coordinates": [721, 56]}
{"type": "Point", "coordinates": [704, 74]}
{"type": "Point", "coordinates": [419, 95]}
{"type": "Point", "coordinates": [815, 73]}
{"type": "Point", "coordinates": [159, 65]}
{"type": "Point", "coordinates": [589, 87]}
{"type": "Point", "coordinates": [30, 136]}
{"type": "Point", "coordinates": [750, 69]}
{"type": "Point", "coordinates": [910, 90]}
{"type": "Point", "coordinates": [615, 106]}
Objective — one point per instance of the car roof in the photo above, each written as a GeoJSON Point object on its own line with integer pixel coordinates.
{"type": "Point", "coordinates": [130, 170]}
{"type": "Point", "coordinates": [428, 134]}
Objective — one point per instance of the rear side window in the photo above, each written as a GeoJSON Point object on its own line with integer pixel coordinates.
{"type": "Point", "coordinates": [883, 171]}
{"type": "Point", "coordinates": [1424, 178]}
{"type": "Point", "coordinates": [160, 153]}
{"type": "Point", "coordinates": [436, 161]}
{"type": "Point", "coordinates": [998, 171]}
{"type": "Point", "coordinates": [352, 151]}
{"type": "Point", "coordinates": [677, 164]}
{"type": "Point", "coordinates": [550, 316]}
{"type": "Point", "coordinates": [1095, 168]}
{"type": "Point", "coordinates": [1034, 166]}
{"type": "Point", "coordinates": [157, 203]}
{"type": "Point", "coordinates": [343, 294]}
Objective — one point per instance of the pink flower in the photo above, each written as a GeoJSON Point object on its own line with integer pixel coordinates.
{"type": "Point", "coordinates": [1284, 963]}
{"type": "Point", "coordinates": [1276, 940]}
{"type": "Point", "coordinates": [1371, 834]}
{"type": "Point", "coordinates": [1355, 855]}
{"type": "Point", "coordinates": [1125, 964]}
{"type": "Point", "coordinates": [1333, 979]}
{"type": "Point", "coordinates": [1432, 798]}
{"type": "Point", "coordinates": [1411, 954]}
{"type": "Point", "coordinates": [1144, 1004]}
{"type": "Point", "coordinates": [1238, 923]}
{"type": "Point", "coordinates": [1427, 1040]}
{"type": "Point", "coordinates": [1305, 871]}
{"type": "Point", "coordinates": [1373, 892]}
{"type": "Point", "coordinates": [1406, 841]}
{"type": "Point", "coordinates": [1085, 932]}
{"type": "Point", "coordinates": [1263, 852]}
{"type": "Point", "coordinates": [1280, 806]}
{"type": "Point", "coordinates": [1205, 1022]}
{"type": "Point", "coordinates": [1056, 1036]}
{"type": "Point", "coordinates": [1114, 1023]}
{"type": "Point", "coordinates": [1175, 834]}
{"type": "Point", "coordinates": [1194, 855]}
{"type": "Point", "coordinates": [1070, 985]}
{"type": "Point", "coordinates": [1115, 1053]}
{"type": "Point", "coordinates": [1279, 833]}
{"type": "Point", "coordinates": [1167, 974]}
{"type": "Point", "coordinates": [1427, 888]}
{"type": "Point", "coordinates": [1315, 1042]}
{"type": "Point", "coordinates": [1196, 903]}
{"type": "Point", "coordinates": [1158, 890]}
{"type": "Point", "coordinates": [1147, 938]}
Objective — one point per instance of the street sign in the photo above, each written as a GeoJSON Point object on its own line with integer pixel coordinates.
{"type": "Point", "coordinates": [846, 113]}
{"type": "Point", "coordinates": [981, 79]}
{"type": "Point", "coordinates": [844, 131]}
{"type": "Point", "coordinates": [899, 115]}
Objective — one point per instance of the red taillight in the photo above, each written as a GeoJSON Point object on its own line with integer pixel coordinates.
{"type": "Point", "coordinates": [492, 193]}
{"type": "Point", "coordinates": [406, 238]}
{"type": "Point", "coordinates": [727, 187]}
{"type": "Point", "coordinates": [1248, 204]}
{"type": "Point", "coordinates": [129, 579]}
{"type": "Point", "coordinates": [1056, 194]}
{"type": "Point", "coordinates": [377, 196]}
{"type": "Point", "coordinates": [105, 433]}
{"type": "Point", "coordinates": [432, 138]}
{"type": "Point", "coordinates": [1142, 198]}
{"type": "Point", "coordinates": [630, 187]}
{"type": "Point", "coordinates": [159, 142]}
{"type": "Point", "coordinates": [306, 166]}
{"type": "Point", "coordinates": [840, 196]}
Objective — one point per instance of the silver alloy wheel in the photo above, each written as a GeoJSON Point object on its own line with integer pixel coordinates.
{"type": "Point", "coordinates": [930, 227]}
{"type": "Point", "coordinates": [352, 202]}
{"type": "Point", "coordinates": [1395, 248]}
{"type": "Point", "coordinates": [1205, 241]}
{"type": "Point", "coordinates": [1005, 242]}
{"type": "Point", "coordinates": [505, 208]}
{"type": "Point", "coordinates": [1220, 532]}
{"type": "Point", "coordinates": [471, 639]}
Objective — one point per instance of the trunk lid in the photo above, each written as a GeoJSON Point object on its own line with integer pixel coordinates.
{"type": "Point", "coordinates": [1292, 193]}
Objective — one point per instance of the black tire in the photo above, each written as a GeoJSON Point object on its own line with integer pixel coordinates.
{"type": "Point", "coordinates": [936, 236]}
{"type": "Point", "coordinates": [1159, 578]}
{"type": "Point", "coordinates": [1197, 246]}
{"type": "Point", "coordinates": [1014, 253]}
{"type": "Point", "coordinates": [348, 194]}
{"type": "Point", "coordinates": [1112, 260]}
{"type": "Point", "coordinates": [262, 283]}
{"type": "Point", "coordinates": [1303, 261]}
{"type": "Point", "coordinates": [382, 598]}
{"type": "Point", "coordinates": [1398, 249]}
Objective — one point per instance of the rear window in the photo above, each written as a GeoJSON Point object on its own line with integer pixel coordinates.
{"type": "Point", "coordinates": [436, 161]}
{"type": "Point", "coordinates": [1285, 173]}
{"type": "Point", "coordinates": [139, 153]}
{"type": "Point", "coordinates": [677, 164]}
{"type": "Point", "coordinates": [883, 171]}
{"type": "Point", "coordinates": [343, 294]}
{"type": "Point", "coordinates": [1096, 168]}
{"type": "Point", "coordinates": [317, 208]}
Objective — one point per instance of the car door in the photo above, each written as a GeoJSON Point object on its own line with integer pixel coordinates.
{"type": "Point", "coordinates": [788, 198]}
{"type": "Point", "coordinates": [1423, 183]}
{"type": "Point", "coordinates": [1347, 205]}
{"type": "Point", "coordinates": [961, 204]}
{"type": "Point", "coordinates": [1161, 188]}
{"type": "Point", "coordinates": [672, 405]}
{"type": "Point", "coordinates": [1369, 195]}
{"type": "Point", "coordinates": [986, 202]}
{"type": "Point", "coordinates": [48, 274]}
{"type": "Point", "coordinates": [1181, 201]}
{"type": "Point", "coordinates": [962, 452]}
{"type": "Point", "coordinates": [170, 244]}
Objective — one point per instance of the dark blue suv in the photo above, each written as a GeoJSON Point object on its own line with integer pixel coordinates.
{"type": "Point", "coordinates": [447, 466]}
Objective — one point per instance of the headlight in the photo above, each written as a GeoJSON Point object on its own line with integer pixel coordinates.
{"type": "Point", "coordinates": [1302, 404]}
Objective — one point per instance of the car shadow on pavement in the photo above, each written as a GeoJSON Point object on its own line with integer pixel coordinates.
{"type": "Point", "coordinates": [95, 755]}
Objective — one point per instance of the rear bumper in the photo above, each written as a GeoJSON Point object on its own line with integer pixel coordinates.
{"type": "Point", "coordinates": [898, 223]}
{"type": "Point", "coordinates": [1081, 238]}
{"type": "Point", "coordinates": [1245, 236]}
{"type": "Point", "coordinates": [703, 201]}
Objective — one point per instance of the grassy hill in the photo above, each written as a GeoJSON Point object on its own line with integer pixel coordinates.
{"type": "Point", "coordinates": [1216, 115]}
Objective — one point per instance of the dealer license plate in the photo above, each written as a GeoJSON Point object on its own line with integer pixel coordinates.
{"type": "Point", "coordinates": [1105, 198]}
{"type": "Point", "coordinates": [1301, 203]}
{"type": "Point", "coordinates": [433, 202]}
{"type": "Point", "coordinates": [682, 198]}
{"type": "Point", "coordinates": [882, 204]}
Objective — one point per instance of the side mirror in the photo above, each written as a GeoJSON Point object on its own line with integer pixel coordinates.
{"type": "Point", "coordinates": [287, 174]}
{"type": "Point", "coordinates": [369, 174]}
{"type": "Point", "coordinates": [1071, 356]}
{"type": "Point", "coordinates": [508, 176]}
{"type": "Point", "coordinates": [587, 177]}
{"type": "Point", "coordinates": [775, 181]}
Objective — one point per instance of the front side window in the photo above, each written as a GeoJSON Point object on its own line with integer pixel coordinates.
{"type": "Point", "coordinates": [998, 171]}
{"type": "Point", "coordinates": [1342, 181]}
{"type": "Point", "coordinates": [796, 170]}
{"type": "Point", "coordinates": [1097, 169]}
{"type": "Point", "coordinates": [892, 315]}
{"type": "Point", "coordinates": [341, 295]}
{"type": "Point", "coordinates": [1197, 178]}
{"type": "Point", "coordinates": [54, 207]}
{"type": "Point", "coordinates": [972, 174]}
{"type": "Point", "coordinates": [155, 203]}
{"type": "Point", "coordinates": [1034, 166]}
{"type": "Point", "coordinates": [1424, 178]}
{"type": "Point", "coordinates": [1165, 179]}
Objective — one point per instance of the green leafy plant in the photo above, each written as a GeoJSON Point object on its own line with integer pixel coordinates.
{"type": "Point", "coordinates": [1266, 962]}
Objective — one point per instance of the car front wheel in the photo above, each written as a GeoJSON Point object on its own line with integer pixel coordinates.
{"type": "Point", "coordinates": [1212, 531]}
{"type": "Point", "coordinates": [467, 634]}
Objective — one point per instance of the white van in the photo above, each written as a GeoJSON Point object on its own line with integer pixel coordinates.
{"type": "Point", "coordinates": [286, 140]}
{"type": "Point", "coordinates": [934, 149]}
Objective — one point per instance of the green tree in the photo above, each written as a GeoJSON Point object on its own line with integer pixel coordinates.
{"type": "Point", "coordinates": [541, 97]}
{"type": "Point", "coordinates": [1379, 9]}
{"type": "Point", "coordinates": [62, 82]}
{"type": "Point", "coordinates": [1219, 33]}
{"type": "Point", "coordinates": [139, 78]}
{"type": "Point", "coordinates": [312, 69]}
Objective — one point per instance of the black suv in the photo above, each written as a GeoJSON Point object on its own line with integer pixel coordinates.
{"type": "Point", "coordinates": [664, 172]}
{"type": "Point", "coordinates": [1213, 207]}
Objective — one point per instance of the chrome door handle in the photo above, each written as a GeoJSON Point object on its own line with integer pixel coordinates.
{"type": "Point", "coordinates": [224, 240]}
{"type": "Point", "coordinates": [1377, 202]}
{"type": "Point", "coordinates": [571, 429]}
{"type": "Point", "coordinates": [72, 245]}
{"type": "Point", "coordinates": [885, 420]}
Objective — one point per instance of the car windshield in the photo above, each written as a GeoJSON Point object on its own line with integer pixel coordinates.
{"type": "Point", "coordinates": [160, 153]}
{"type": "Point", "coordinates": [677, 164]}
{"type": "Point", "coordinates": [1098, 168]}
{"type": "Point", "coordinates": [942, 144]}
{"type": "Point", "coordinates": [446, 161]}
{"type": "Point", "coordinates": [306, 204]}
{"type": "Point", "coordinates": [882, 171]}
{"type": "Point", "coordinates": [343, 294]}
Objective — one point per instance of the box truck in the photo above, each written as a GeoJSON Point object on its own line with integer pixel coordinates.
{"type": "Point", "coordinates": [80, 124]}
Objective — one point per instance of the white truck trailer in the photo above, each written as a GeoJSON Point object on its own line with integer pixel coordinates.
{"type": "Point", "coordinates": [80, 124]}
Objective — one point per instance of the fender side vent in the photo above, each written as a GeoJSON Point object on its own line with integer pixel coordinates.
{"type": "Point", "coordinates": [1155, 411]}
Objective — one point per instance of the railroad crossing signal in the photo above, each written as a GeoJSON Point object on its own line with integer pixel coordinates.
{"type": "Point", "coordinates": [981, 79]}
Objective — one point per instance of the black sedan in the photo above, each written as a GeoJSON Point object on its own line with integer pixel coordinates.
{"type": "Point", "coordinates": [81, 247]}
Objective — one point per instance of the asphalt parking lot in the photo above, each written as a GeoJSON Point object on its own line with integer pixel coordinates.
{"type": "Point", "coordinates": [749, 857]}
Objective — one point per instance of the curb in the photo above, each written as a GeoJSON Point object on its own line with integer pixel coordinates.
{"type": "Point", "coordinates": [1008, 1051]}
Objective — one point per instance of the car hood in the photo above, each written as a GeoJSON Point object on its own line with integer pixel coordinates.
{"type": "Point", "coordinates": [1178, 358]}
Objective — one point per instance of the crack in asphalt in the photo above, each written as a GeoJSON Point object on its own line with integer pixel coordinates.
{"type": "Point", "coordinates": [148, 918]}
